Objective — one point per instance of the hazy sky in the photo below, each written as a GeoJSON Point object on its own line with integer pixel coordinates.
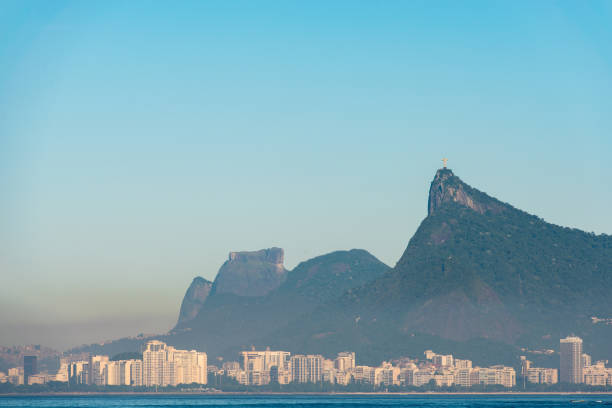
{"type": "Point", "coordinates": [140, 142]}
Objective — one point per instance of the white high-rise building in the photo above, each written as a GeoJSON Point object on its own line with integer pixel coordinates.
{"type": "Point", "coordinates": [189, 367]}
{"type": "Point", "coordinates": [571, 360]}
{"type": "Point", "coordinates": [153, 362]}
{"type": "Point", "coordinates": [306, 368]}
{"type": "Point", "coordinates": [112, 374]}
{"type": "Point", "coordinates": [345, 361]}
{"type": "Point", "coordinates": [164, 365]}
{"type": "Point", "coordinates": [78, 372]}
{"type": "Point", "coordinates": [259, 364]}
{"type": "Point", "coordinates": [124, 372]}
{"type": "Point", "coordinates": [136, 372]}
{"type": "Point", "coordinates": [585, 360]}
{"type": "Point", "coordinates": [97, 369]}
{"type": "Point", "coordinates": [463, 377]}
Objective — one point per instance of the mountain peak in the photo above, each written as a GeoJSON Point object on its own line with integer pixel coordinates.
{"type": "Point", "coordinates": [194, 299]}
{"type": "Point", "coordinates": [251, 273]}
{"type": "Point", "coordinates": [274, 255]}
{"type": "Point", "coordinates": [447, 188]}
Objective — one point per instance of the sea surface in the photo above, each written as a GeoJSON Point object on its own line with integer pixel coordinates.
{"type": "Point", "coordinates": [308, 401]}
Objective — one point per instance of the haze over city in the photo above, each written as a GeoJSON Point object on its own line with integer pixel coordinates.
{"type": "Point", "coordinates": [142, 142]}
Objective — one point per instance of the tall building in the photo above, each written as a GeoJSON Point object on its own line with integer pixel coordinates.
{"type": "Point", "coordinates": [585, 360]}
{"type": "Point", "coordinates": [136, 372]}
{"type": "Point", "coordinates": [345, 361]}
{"type": "Point", "coordinates": [164, 365]}
{"type": "Point", "coordinates": [525, 365]}
{"type": "Point", "coordinates": [113, 373]}
{"type": "Point", "coordinates": [78, 372]}
{"type": "Point", "coordinates": [306, 368]}
{"type": "Point", "coordinates": [153, 362]}
{"type": "Point", "coordinates": [571, 360]}
{"type": "Point", "coordinates": [189, 366]}
{"type": "Point", "coordinates": [463, 377]}
{"type": "Point", "coordinates": [258, 366]}
{"type": "Point", "coordinates": [124, 372]}
{"type": "Point", "coordinates": [29, 367]}
{"type": "Point", "coordinates": [97, 370]}
{"type": "Point", "coordinates": [299, 371]}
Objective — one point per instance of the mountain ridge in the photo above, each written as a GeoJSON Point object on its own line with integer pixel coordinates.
{"type": "Point", "coordinates": [477, 269]}
{"type": "Point", "coordinates": [479, 278]}
{"type": "Point", "coordinates": [228, 322]}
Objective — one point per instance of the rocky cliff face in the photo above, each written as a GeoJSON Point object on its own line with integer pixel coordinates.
{"type": "Point", "coordinates": [446, 187]}
{"type": "Point", "coordinates": [273, 255]}
{"type": "Point", "coordinates": [253, 273]}
{"type": "Point", "coordinates": [228, 323]}
{"type": "Point", "coordinates": [194, 299]}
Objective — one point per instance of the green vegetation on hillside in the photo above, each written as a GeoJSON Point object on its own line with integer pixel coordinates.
{"type": "Point", "coordinates": [479, 279]}
{"type": "Point", "coordinates": [479, 284]}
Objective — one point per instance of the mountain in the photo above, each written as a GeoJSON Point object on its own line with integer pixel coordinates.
{"type": "Point", "coordinates": [251, 273]}
{"type": "Point", "coordinates": [232, 317]}
{"type": "Point", "coordinates": [479, 277]}
{"type": "Point", "coordinates": [521, 273]}
{"type": "Point", "coordinates": [194, 299]}
{"type": "Point", "coordinates": [228, 322]}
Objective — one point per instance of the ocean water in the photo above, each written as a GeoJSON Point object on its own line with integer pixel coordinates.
{"type": "Point", "coordinates": [308, 401]}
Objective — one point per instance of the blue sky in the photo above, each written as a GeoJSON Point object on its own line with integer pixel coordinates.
{"type": "Point", "coordinates": [140, 142]}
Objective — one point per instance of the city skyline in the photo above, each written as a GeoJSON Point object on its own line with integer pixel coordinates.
{"type": "Point", "coordinates": [162, 365]}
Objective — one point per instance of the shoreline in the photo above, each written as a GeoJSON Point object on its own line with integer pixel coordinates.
{"type": "Point", "coordinates": [221, 393]}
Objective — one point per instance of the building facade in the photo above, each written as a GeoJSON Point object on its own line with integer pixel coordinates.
{"type": "Point", "coordinates": [164, 365]}
{"type": "Point", "coordinates": [78, 372]}
{"type": "Point", "coordinates": [263, 367]}
{"type": "Point", "coordinates": [307, 368]}
{"type": "Point", "coordinates": [29, 368]}
{"type": "Point", "coordinates": [571, 360]}
{"type": "Point", "coordinates": [537, 375]}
